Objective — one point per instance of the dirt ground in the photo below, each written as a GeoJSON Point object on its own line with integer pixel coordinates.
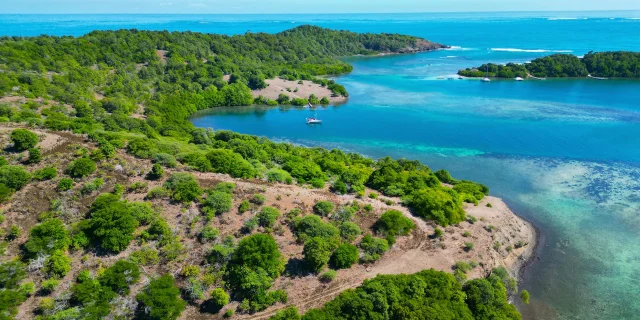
{"type": "Point", "coordinates": [277, 86]}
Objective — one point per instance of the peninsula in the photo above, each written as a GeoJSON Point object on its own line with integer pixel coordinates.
{"type": "Point", "coordinates": [116, 206]}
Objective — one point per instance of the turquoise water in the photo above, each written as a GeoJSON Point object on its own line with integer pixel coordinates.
{"type": "Point", "coordinates": [564, 154]}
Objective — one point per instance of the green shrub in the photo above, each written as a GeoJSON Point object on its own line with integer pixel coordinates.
{"type": "Point", "coordinates": [11, 273]}
{"type": "Point", "coordinates": [440, 204]}
{"type": "Point", "coordinates": [311, 226]}
{"type": "Point", "coordinates": [46, 173]}
{"type": "Point", "coordinates": [158, 193]}
{"type": "Point", "coordinates": [111, 223]}
{"type": "Point", "coordinates": [183, 186]}
{"type": "Point", "coordinates": [328, 276]}
{"type": "Point", "coordinates": [524, 295]}
{"type": "Point", "coordinates": [65, 184]}
{"type": "Point", "coordinates": [226, 187]}
{"type": "Point", "coordinates": [468, 246]}
{"type": "Point", "coordinates": [373, 248]}
{"type": "Point", "coordinates": [120, 276]}
{"type": "Point", "coordinates": [49, 286]}
{"type": "Point", "coordinates": [23, 139]}
{"type": "Point", "coordinates": [244, 206]}
{"type": "Point", "coordinates": [161, 299]}
{"type": "Point", "coordinates": [57, 265]}
{"type": "Point", "coordinates": [165, 159]}
{"type": "Point", "coordinates": [323, 208]}
{"type": "Point", "coordinates": [258, 199]}
{"type": "Point", "coordinates": [156, 172]}
{"type": "Point", "coordinates": [142, 148]}
{"type": "Point", "coordinates": [393, 223]}
{"type": "Point", "coordinates": [219, 298]}
{"type": "Point", "coordinates": [345, 256]}
{"type": "Point", "coordinates": [81, 168]}
{"type": "Point", "coordinates": [339, 187]}
{"type": "Point", "coordinates": [142, 212]}
{"type": "Point", "coordinates": [349, 231]}
{"type": "Point", "coordinates": [47, 237]}
{"type": "Point", "coordinates": [5, 195]}
{"type": "Point", "coordinates": [218, 202]}
{"type": "Point", "coordinates": [268, 216]}
{"type": "Point", "coordinates": [35, 156]}
{"type": "Point", "coordinates": [279, 175]}
{"type": "Point", "coordinates": [229, 162]}
{"type": "Point", "coordinates": [317, 252]}
{"type": "Point", "coordinates": [145, 256]}
{"type": "Point", "coordinates": [14, 177]}
{"type": "Point", "coordinates": [209, 234]}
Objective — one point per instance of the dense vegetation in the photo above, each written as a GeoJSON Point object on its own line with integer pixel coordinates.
{"type": "Point", "coordinates": [616, 64]}
{"type": "Point", "coordinates": [428, 294]}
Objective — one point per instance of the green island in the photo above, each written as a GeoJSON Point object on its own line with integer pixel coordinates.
{"type": "Point", "coordinates": [615, 64]}
{"type": "Point", "coordinates": [115, 205]}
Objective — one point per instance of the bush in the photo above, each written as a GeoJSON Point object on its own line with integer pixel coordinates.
{"type": "Point", "coordinates": [35, 156]}
{"type": "Point", "coordinates": [244, 206]}
{"type": "Point", "coordinates": [373, 248]}
{"type": "Point", "coordinates": [156, 172]}
{"type": "Point", "coordinates": [65, 184]}
{"type": "Point", "coordinates": [268, 216]}
{"type": "Point", "coordinates": [81, 168]}
{"type": "Point", "coordinates": [209, 234]}
{"type": "Point", "coordinates": [120, 276]}
{"type": "Point", "coordinates": [23, 139]}
{"type": "Point", "coordinates": [440, 204]}
{"type": "Point", "coordinates": [14, 177]}
{"type": "Point", "coordinates": [349, 231]}
{"type": "Point", "coordinates": [145, 257]}
{"type": "Point", "coordinates": [142, 212]}
{"type": "Point", "coordinates": [142, 148]}
{"type": "Point", "coordinates": [57, 265]}
{"type": "Point", "coordinates": [49, 286]}
{"type": "Point", "coordinates": [5, 195]}
{"type": "Point", "coordinates": [219, 298]}
{"type": "Point", "coordinates": [218, 202]}
{"type": "Point", "coordinates": [345, 256]}
{"type": "Point", "coordinates": [445, 177]}
{"type": "Point", "coordinates": [47, 237]}
{"type": "Point", "coordinates": [311, 226]}
{"type": "Point", "coordinates": [161, 299]}
{"type": "Point", "coordinates": [393, 223]}
{"type": "Point", "coordinates": [47, 173]}
{"type": "Point", "coordinates": [317, 252]}
{"type": "Point", "coordinates": [328, 276]}
{"type": "Point", "coordinates": [524, 295]}
{"type": "Point", "coordinates": [183, 186]}
{"type": "Point", "coordinates": [279, 175]}
{"type": "Point", "coordinates": [165, 159]}
{"type": "Point", "coordinates": [339, 187]}
{"type": "Point", "coordinates": [323, 208]}
{"type": "Point", "coordinates": [111, 223]}
{"type": "Point", "coordinates": [258, 199]}
{"type": "Point", "coordinates": [468, 246]}
{"type": "Point", "coordinates": [289, 313]}
{"type": "Point", "coordinates": [229, 162]}
{"type": "Point", "coordinates": [226, 187]}
{"type": "Point", "coordinates": [11, 273]}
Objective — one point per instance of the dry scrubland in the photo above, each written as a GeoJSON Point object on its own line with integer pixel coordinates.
{"type": "Point", "coordinates": [500, 238]}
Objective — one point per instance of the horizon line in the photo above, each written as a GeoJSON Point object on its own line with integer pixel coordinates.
{"type": "Point", "coordinates": [306, 13]}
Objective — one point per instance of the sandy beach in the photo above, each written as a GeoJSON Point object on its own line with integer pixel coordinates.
{"type": "Point", "coordinates": [277, 86]}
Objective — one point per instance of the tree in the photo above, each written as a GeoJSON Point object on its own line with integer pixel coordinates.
{"type": "Point", "coordinates": [161, 299]}
{"type": "Point", "coordinates": [237, 94]}
{"type": "Point", "coordinates": [111, 223]}
{"type": "Point", "coordinates": [183, 186]}
{"type": "Point", "coordinates": [227, 161]}
{"type": "Point", "coordinates": [81, 168]}
{"type": "Point", "coordinates": [34, 155]}
{"type": "Point", "coordinates": [487, 299]}
{"type": "Point", "coordinates": [317, 252]}
{"type": "Point", "coordinates": [311, 226]}
{"type": "Point", "coordinates": [23, 139]}
{"type": "Point", "coordinates": [11, 273]}
{"type": "Point", "coordinates": [345, 256]}
{"type": "Point", "coordinates": [256, 81]}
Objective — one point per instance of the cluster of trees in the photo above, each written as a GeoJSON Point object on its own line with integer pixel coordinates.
{"type": "Point", "coordinates": [428, 294]}
{"type": "Point", "coordinates": [620, 64]}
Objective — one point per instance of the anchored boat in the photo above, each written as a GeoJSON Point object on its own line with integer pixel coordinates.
{"type": "Point", "coordinates": [313, 121]}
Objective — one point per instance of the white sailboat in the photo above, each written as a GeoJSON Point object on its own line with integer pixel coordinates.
{"type": "Point", "coordinates": [486, 76]}
{"type": "Point", "coordinates": [519, 79]}
{"type": "Point", "coordinates": [314, 120]}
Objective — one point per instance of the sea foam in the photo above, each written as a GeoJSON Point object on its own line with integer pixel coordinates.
{"type": "Point", "coordinates": [529, 50]}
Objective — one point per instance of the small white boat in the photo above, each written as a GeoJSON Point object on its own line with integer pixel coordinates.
{"type": "Point", "coordinates": [313, 121]}
{"type": "Point", "coordinates": [519, 79]}
{"type": "Point", "coordinates": [441, 78]}
{"type": "Point", "coordinates": [486, 76]}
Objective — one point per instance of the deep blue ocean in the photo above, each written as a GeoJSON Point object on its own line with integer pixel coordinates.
{"type": "Point", "coordinates": [564, 154]}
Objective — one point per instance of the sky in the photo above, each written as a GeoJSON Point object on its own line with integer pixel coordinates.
{"type": "Point", "coordinates": [303, 6]}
